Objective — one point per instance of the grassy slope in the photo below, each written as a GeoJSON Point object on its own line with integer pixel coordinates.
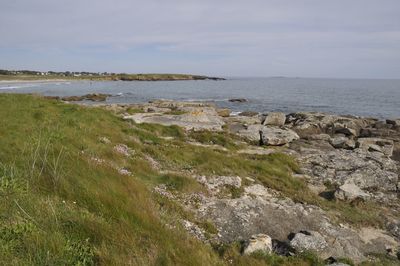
{"type": "Point", "coordinates": [58, 206]}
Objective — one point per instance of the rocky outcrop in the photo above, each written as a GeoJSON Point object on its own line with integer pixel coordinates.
{"type": "Point", "coordinates": [262, 210]}
{"type": "Point", "coordinates": [315, 123]}
{"type": "Point", "coordinates": [370, 171]}
{"type": "Point", "coordinates": [189, 116]}
{"type": "Point", "coordinates": [271, 136]}
{"type": "Point", "coordinates": [350, 158]}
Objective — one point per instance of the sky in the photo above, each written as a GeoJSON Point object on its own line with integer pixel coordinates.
{"type": "Point", "coordinates": [296, 38]}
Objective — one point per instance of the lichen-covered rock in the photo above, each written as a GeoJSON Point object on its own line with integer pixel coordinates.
{"type": "Point", "coordinates": [276, 136]}
{"type": "Point", "coordinates": [376, 144]}
{"type": "Point", "coordinates": [275, 119]}
{"type": "Point", "coordinates": [308, 241]}
{"type": "Point", "coordinates": [215, 183]}
{"type": "Point", "coordinates": [196, 118]}
{"type": "Point", "coordinates": [370, 171]}
{"type": "Point", "coordinates": [271, 136]}
{"type": "Point", "coordinates": [305, 123]}
{"type": "Point", "coordinates": [350, 192]}
{"type": "Point", "coordinates": [259, 242]}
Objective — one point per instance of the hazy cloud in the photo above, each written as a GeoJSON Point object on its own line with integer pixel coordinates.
{"type": "Point", "coordinates": [341, 38]}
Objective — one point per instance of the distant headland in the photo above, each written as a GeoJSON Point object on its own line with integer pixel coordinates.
{"type": "Point", "coordinates": [12, 75]}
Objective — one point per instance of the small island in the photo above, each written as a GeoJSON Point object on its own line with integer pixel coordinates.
{"type": "Point", "coordinates": [30, 75]}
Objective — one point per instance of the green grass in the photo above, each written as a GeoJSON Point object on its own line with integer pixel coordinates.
{"type": "Point", "coordinates": [60, 206]}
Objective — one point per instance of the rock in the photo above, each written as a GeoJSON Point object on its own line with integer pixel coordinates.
{"type": "Point", "coordinates": [96, 97]}
{"type": "Point", "coordinates": [393, 226]}
{"type": "Point", "coordinates": [384, 146]}
{"type": "Point", "coordinates": [251, 133]}
{"type": "Point", "coordinates": [275, 119]}
{"type": "Point", "coordinates": [123, 171]}
{"type": "Point", "coordinates": [268, 135]}
{"type": "Point", "coordinates": [238, 100]}
{"type": "Point", "coordinates": [215, 183]}
{"type": "Point", "coordinates": [248, 113]}
{"type": "Point", "coordinates": [338, 264]}
{"type": "Point", "coordinates": [340, 142]}
{"type": "Point", "coordinates": [224, 112]}
{"type": "Point", "coordinates": [155, 109]}
{"type": "Point", "coordinates": [394, 122]}
{"type": "Point", "coordinates": [277, 137]}
{"type": "Point", "coordinates": [306, 123]}
{"type": "Point", "coordinates": [345, 130]}
{"type": "Point", "coordinates": [194, 230]}
{"type": "Point", "coordinates": [243, 120]}
{"type": "Point", "coordinates": [193, 118]}
{"type": "Point", "coordinates": [260, 209]}
{"type": "Point", "coordinates": [259, 242]}
{"type": "Point", "coordinates": [308, 241]}
{"type": "Point", "coordinates": [324, 137]}
{"type": "Point", "coordinates": [382, 125]}
{"type": "Point", "coordinates": [370, 171]}
{"type": "Point", "coordinates": [350, 192]}
{"type": "Point", "coordinates": [124, 150]}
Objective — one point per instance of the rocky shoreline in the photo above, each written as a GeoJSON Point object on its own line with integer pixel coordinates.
{"type": "Point", "coordinates": [347, 159]}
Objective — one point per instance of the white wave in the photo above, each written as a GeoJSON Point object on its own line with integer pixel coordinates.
{"type": "Point", "coordinates": [236, 113]}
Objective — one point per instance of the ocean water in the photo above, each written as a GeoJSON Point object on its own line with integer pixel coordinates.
{"type": "Point", "coordinates": [363, 97]}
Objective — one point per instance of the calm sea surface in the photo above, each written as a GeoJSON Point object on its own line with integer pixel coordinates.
{"type": "Point", "coordinates": [376, 98]}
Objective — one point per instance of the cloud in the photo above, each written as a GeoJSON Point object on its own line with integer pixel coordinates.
{"type": "Point", "coordinates": [256, 37]}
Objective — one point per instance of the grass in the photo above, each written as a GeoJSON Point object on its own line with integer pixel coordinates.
{"type": "Point", "coordinates": [58, 207]}
{"type": "Point", "coordinates": [64, 202]}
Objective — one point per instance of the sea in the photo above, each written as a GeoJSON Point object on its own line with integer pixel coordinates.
{"type": "Point", "coordinates": [379, 98]}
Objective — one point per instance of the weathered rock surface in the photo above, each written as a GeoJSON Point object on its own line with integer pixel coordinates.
{"type": "Point", "coordinates": [308, 241]}
{"type": "Point", "coordinates": [277, 137]}
{"type": "Point", "coordinates": [275, 119]}
{"type": "Point", "coordinates": [315, 123]}
{"type": "Point", "coordinates": [268, 135]}
{"type": "Point", "coordinates": [248, 113]}
{"type": "Point", "coordinates": [341, 142]}
{"type": "Point", "coordinates": [263, 210]}
{"type": "Point", "coordinates": [370, 171]}
{"type": "Point", "coordinates": [376, 144]}
{"type": "Point", "coordinates": [259, 242]}
{"type": "Point", "coordinates": [196, 118]}
{"type": "Point", "coordinates": [394, 122]}
{"type": "Point", "coordinates": [350, 192]}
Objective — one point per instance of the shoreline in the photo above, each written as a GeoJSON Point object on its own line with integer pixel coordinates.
{"type": "Point", "coordinates": [13, 81]}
